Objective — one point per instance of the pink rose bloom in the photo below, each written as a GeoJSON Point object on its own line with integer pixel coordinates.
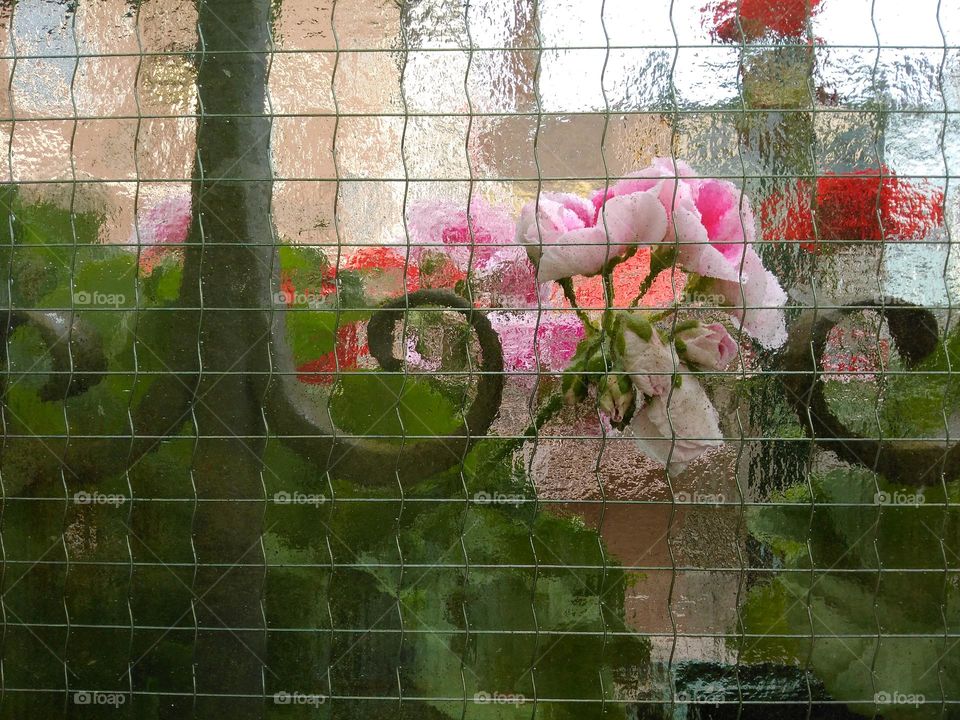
{"type": "Point", "coordinates": [564, 235]}
{"type": "Point", "coordinates": [757, 301]}
{"type": "Point", "coordinates": [714, 227]}
{"type": "Point", "coordinates": [651, 364]}
{"type": "Point", "coordinates": [550, 336]}
{"type": "Point", "coordinates": [677, 428]}
{"type": "Point", "coordinates": [709, 347]}
{"type": "Point", "coordinates": [477, 240]}
{"type": "Point", "coordinates": [678, 422]}
{"type": "Point", "coordinates": [712, 224]}
{"type": "Point", "coordinates": [670, 183]}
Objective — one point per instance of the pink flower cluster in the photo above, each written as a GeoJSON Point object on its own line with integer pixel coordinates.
{"type": "Point", "coordinates": [699, 230]}
{"type": "Point", "coordinates": [709, 222]}
{"type": "Point", "coordinates": [704, 227]}
{"type": "Point", "coordinates": [534, 334]}
{"type": "Point", "coordinates": [537, 341]}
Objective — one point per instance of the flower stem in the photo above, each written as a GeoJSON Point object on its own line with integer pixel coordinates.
{"type": "Point", "coordinates": [644, 287]}
{"type": "Point", "coordinates": [568, 292]}
{"type": "Point", "coordinates": [661, 259]}
{"type": "Point", "coordinates": [663, 314]}
{"type": "Point", "coordinates": [608, 300]}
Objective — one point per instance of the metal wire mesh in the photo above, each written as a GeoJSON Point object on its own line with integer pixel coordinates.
{"type": "Point", "coordinates": [273, 448]}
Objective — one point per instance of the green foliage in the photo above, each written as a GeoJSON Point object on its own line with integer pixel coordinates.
{"type": "Point", "coordinates": [39, 245]}
{"type": "Point", "coordinates": [449, 591]}
{"type": "Point", "coordinates": [917, 403]}
{"type": "Point", "coordinates": [858, 557]}
{"type": "Point", "coordinates": [54, 261]}
{"type": "Point", "coordinates": [359, 583]}
{"type": "Point", "coordinates": [479, 621]}
{"type": "Point", "coordinates": [378, 404]}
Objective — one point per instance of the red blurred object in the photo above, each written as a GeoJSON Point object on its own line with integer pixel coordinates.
{"type": "Point", "coordinates": [387, 261]}
{"type": "Point", "coordinates": [787, 18]}
{"type": "Point", "coordinates": [287, 289]}
{"type": "Point", "coordinates": [345, 356]}
{"type": "Point", "coordinates": [627, 278]}
{"type": "Point", "coordinates": [435, 271]}
{"type": "Point", "coordinates": [440, 272]}
{"type": "Point", "coordinates": [869, 204]}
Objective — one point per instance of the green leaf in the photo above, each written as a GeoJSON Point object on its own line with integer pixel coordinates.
{"type": "Point", "coordinates": [46, 238]}
{"type": "Point", "coordinates": [312, 333]}
{"type": "Point", "coordinates": [46, 223]}
{"type": "Point", "coordinates": [492, 603]}
{"type": "Point", "coordinates": [863, 552]}
{"type": "Point", "coordinates": [380, 404]}
{"type": "Point", "coordinates": [161, 288]}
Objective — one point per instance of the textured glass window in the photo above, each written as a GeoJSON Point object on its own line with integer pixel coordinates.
{"type": "Point", "coordinates": [480, 359]}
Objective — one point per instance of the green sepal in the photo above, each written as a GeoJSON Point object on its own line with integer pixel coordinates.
{"type": "Point", "coordinates": [639, 324]}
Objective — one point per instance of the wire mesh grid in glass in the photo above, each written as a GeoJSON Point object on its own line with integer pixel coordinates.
{"type": "Point", "coordinates": [480, 359]}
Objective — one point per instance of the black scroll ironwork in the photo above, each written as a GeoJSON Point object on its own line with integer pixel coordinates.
{"type": "Point", "coordinates": [307, 429]}
{"type": "Point", "coordinates": [916, 335]}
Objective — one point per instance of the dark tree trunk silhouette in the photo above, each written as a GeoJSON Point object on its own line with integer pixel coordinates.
{"type": "Point", "coordinates": [225, 275]}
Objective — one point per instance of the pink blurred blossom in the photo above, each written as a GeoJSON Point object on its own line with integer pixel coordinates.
{"type": "Point", "coordinates": [547, 335]}
{"type": "Point", "coordinates": [159, 226]}
{"type": "Point", "coordinates": [713, 225]}
{"type": "Point", "coordinates": [565, 236]}
{"type": "Point", "coordinates": [712, 219]}
{"type": "Point", "coordinates": [483, 243]}
{"type": "Point", "coordinates": [474, 240]}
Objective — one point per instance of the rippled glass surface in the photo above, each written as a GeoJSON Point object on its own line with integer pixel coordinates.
{"type": "Point", "coordinates": [301, 419]}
